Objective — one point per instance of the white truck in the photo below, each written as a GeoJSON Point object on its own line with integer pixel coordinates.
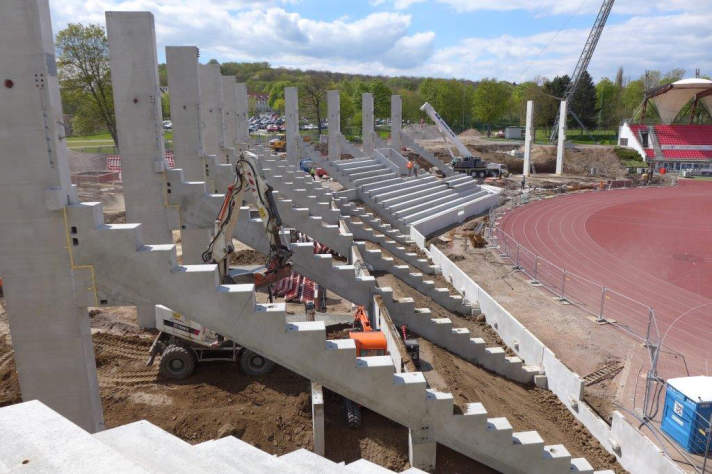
{"type": "Point", "coordinates": [466, 163]}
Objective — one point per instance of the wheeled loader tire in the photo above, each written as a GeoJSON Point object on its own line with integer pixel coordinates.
{"type": "Point", "coordinates": [252, 363]}
{"type": "Point", "coordinates": [177, 362]}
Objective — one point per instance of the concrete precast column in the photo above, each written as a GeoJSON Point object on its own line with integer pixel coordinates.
{"type": "Point", "coordinates": [422, 449]}
{"type": "Point", "coordinates": [184, 89]}
{"type": "Point", "coordinates": [528, 138]}
{"type": "Point", "coordinates": [396, 119]}
{"type": "Point", "coordinates": [229, 110]}
{"type": "Point", "coordinates": [137, 103]}
{"type": "Point", "coordinates": [46, 296]}
{"type": "Point", "coordinates": [334, 112]}
{"type": "Point", "coordinates": [562, 138]}
{"type": "Point", "coordinates": [211, 98]}
{"type": "Point", "coordinates": [243, 133]}
{"type": "Point", "coordinates": [291, 107]}
{"type": "Point", "coordinates": [317, 403]}
{"type": "Point", "coordinates": [367, 123]}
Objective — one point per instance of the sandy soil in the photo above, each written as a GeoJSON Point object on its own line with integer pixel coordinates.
{"type": "Point", "coordinates": [526, 407]}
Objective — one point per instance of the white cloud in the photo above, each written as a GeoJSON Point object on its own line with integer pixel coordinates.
{"type": "Point", "coordinates": [383, 43]}
{"type": "Point", "coordinates": [658, 42]}
{"type": "Point", "coordinates": [551, 7]}
{"type": "Point", "coordinates": [264, 31]}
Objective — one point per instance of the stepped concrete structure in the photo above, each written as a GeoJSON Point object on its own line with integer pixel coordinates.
{"type": "Point", "coordinates": [82, 261]}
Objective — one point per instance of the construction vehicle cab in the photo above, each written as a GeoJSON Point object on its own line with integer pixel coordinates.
{"type": "Point", "coordinates": [279, 143]}
{"type": "Point", "coordinates": [369, 344]}
{"type": "Point", "coordinates": [183, 344]}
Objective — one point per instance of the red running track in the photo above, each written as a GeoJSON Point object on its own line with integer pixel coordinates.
{"type": "Point", "coordinates": [652, 245]}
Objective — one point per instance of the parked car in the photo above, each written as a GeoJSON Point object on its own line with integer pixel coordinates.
{"type": "Point", "coordinates": [167, 125]}
{"type": "Point", "coordinates": [306, 165]}
{"type": "Point", "coordinates": [272, 128]}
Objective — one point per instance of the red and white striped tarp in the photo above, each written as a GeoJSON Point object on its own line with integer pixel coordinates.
{"type": "Point", "coordinates": [113, 162]}
{"type": "Point", "coordinates": [296, 288]}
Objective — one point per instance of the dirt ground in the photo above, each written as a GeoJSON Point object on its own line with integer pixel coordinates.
{"type": "Point", "coordinates": [580, 160]}
{"type": "Point", "coordinates": [526, 407]}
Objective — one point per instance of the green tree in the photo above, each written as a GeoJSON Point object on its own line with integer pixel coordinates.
{"type": "Point", "coordinates": [83, 59]}
{"type": "Point", "coordinates": [583, 102]}
{"type": "Point", "coordinates": [608, 103]}
{"type": "Point", "coordinates": [312, 96]}
{"type": "Point", "coordinates": [381, 99]}
{"type": "Point", "coordinates": [490, 100]}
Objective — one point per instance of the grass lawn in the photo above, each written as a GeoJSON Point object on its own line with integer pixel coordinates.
{"type": "Point", "coordinates": [101, 142]}
{"type": "Point", "coordinates": [574, 135]}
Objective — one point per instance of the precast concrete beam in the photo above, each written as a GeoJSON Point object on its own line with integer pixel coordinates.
{"type": "Point", "coordinates": [562, 138]}
{"type": "Point", "coordinates": [211, 98]}
{"type": "Point", "coordinates": [317, 404]}
{"type": "Point", "coordinates": [396, 119]}
{"type": "Point", "coordinates": [243, 131]}
{"type": "Point", "coordinates": [184, 88]}
{"type": "Point", "coordinates": [528, 138]}
{"type": "Point", "coordinates": [229, 110]}
{"type": "Point", "coordinates": [367, 123]}
{"type": "Point", "coordinates": [291, 107]}
{"type": "Point", "coordinates": [137, 103]}
{"type": "Point", "coordinates": [334, 113]}
{"type": "Point", "coordinates": [46, 294]}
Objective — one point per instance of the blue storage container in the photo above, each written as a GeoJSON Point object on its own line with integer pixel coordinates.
{"type": "Point", "coordinates": [688, 406]}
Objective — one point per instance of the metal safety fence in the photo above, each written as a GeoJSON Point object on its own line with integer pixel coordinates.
{"type": "Point", "coordinates": [605, 304]}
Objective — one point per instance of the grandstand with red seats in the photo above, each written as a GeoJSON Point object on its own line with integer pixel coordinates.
{"type": "Point", "coordinates": [673, 146]}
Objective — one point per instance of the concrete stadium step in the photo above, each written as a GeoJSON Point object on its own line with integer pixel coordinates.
{"type": "Point", "coordinates": [404, 183]}
{"type": "Point", "coordinates": [379, 178]}
{"type": "Point", "coordinates": [35, 438]}
{"type": "Point", "coordinates": [159, 451]}
{"type": "Point", "coordinates": [363, 466]}
{"type": "Point", "coordinates": [409, 191]}
{"type": "Point", "coordinates": [231, 310]}
{"type": "Point", "coordinates": [428, 198]}
{"type": "Point", "coordinates": [311, 462]}
{"type": "Point", "coordinates": [355, 163]}
{"type": "Point", "coordinates": [249, 459]}
{"type": "Point", "coordinates": [358, 174]}
{"type": "Point", "coordinates": [381, 184]}
{"type": "Point", "coordinates": [413, 193]}
{"type": "Point", "coordinates": [424, 203]}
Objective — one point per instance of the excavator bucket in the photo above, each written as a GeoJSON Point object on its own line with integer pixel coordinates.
{"type": "Point", "coordinates": [271, 275]}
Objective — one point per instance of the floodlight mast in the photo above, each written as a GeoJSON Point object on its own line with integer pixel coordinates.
{"type": "Point", "coordinates": [591, 42]}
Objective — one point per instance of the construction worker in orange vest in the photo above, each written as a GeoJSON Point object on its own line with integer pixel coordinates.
{"type": "Point", "coordinates": [410, 167]}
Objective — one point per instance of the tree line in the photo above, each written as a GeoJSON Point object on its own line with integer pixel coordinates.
{"type": "Point", "coordinates": [85, 85]}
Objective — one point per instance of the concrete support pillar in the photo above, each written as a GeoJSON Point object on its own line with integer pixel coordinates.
{"type": "Point", "coordinates": [562, 138]}
{"type": "Point", "coordinates": [396, 119]}
{"type": "Point", "coordinates": [421, 449]}
{"type": "Point", "coordinates": [334, 112]}
{"type": "Point", "coordinates": [367, 123]}
{"type": "Point", "coordinates": [528, 138]}
{"type": "Point", "coordinates": [137, 103]}
{"type": "Point", "coordinates": [229, 110]}
{"type": "Point", "coordinates": [291, 108]}
{"type": "Point", "coordinates": [317, 402]}
{"type": "Point", "coordinates": [211, 98]}
{"type": "Point", "coordinates": [46, 297]}
{"type": "Point", "coordinates": [184, 89]}
{"type": "Point", "coordinates": [243, 133]}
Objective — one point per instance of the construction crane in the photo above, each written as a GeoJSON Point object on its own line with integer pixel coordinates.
{"type": "Point", "coordinates": [248, 179]}
{"type": "Point", "coordinates": [465, 163]}
{"type": "Point", "coordinates": [591, 42]}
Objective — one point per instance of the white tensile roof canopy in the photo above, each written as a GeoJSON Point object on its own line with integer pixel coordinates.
{"type": "Point", "coordinates": [671, 98]}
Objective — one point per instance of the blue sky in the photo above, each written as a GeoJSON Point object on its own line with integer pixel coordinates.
{"type": "Point", "coordinates": [513, 40]}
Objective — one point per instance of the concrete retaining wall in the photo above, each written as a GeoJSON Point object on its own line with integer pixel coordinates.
{"type": "Point", "coordinates": [634, 451]}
